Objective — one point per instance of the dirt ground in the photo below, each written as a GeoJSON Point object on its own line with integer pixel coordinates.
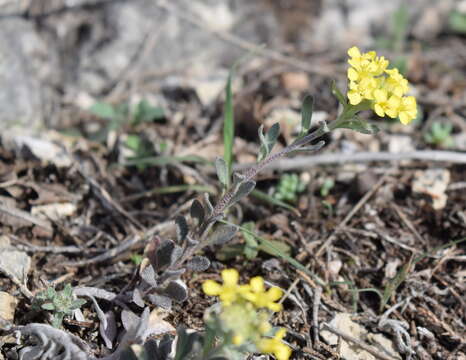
{"type": "Point", "coordinates": [384, 212]}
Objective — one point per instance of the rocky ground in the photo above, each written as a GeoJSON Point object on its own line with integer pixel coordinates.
{"type": "Point", "coordinates": [112, 114]}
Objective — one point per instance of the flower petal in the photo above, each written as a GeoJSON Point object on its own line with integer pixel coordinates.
{"type": "Point", "coordinates": [257, 284]}
{"type": "Point", "coordinates": [211, 288]}
{"type": "Point", "coordinates": [230, 277]}
{"type": "Point", "coordinates": [354, 52]}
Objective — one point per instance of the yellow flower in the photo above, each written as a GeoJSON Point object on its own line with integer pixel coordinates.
{"type": "Point", "coordinates": [365, 65]}
{"type": "Point", "coordinates": [369, 79]}
{"type": "Point", "coordinates": [407, 110]}
{"type": "Point", "coordinates": [229, 291]}
{"type": "Point", "coordinates": [275, 346]}
{"type": "Point", "coordinates": [396, 83]}
{"type": "Point", "coordinates": [261, 298]}
{"type": "Point", "coordinates": [363, 89]}
{"type": "Point", "coordinates": [384, 105]}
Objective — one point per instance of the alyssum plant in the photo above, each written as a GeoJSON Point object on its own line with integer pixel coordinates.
{"type": "Point", "coordinates": [240, 323]}
{"type": "Point", "coordinates": [371, 86]}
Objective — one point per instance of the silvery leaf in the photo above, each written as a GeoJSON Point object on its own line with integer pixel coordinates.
{"type": "Point", "coordinates": [198, 263]}
{"type": "Point", "coordinates": [244, 189]}
{"type": "Point", "coordinates": [181, 228]}
{"type": "Point", "coordinates": [160, 300]}
{"type": "Point", "coordinates": [222, 170]}
{"type": "Point", "coordinates": [149, 276]}
{"type": "Point", "coordinates": [197, 211]}
{"type": "Point", "coordinates": [222, 234]}
{"type": "Point", "coordinates": [176, 290]}
{"type": "Point", "coordinates": [210, 208]}
{"type": "Point", "coordinates": [171, 275]}
{"type": "Point", "coordinates": [137, 297]}
{"type": "Point", "coordinates": [163, 254]}
{"type": "Point", "coordinates": [306, 113]}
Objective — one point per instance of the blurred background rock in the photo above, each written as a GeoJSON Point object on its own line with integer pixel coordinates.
{"type": "Point", "coordinates": [57, 56]}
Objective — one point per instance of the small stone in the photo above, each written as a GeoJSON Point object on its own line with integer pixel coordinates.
{"type": "Point", "coordinates": [14, 263]}
{"type": "Point", "coordinates": [344, 323]}
{"type": "Point", "coordinates": [53, 211]}
{"type": "Point", "coordinates": [334, 267]}
{"type": "Point", "coordinates": [434, 183]}
{"type": "Point", "coordinates": [295, 81]}
{"type": "Point", "coordinates": [7, 306]}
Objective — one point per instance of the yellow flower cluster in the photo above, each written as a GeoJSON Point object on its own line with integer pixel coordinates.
{"type": "Point", "coordinates": [385, 88]}
{"type": "Point", "coordinates": [254, 292]}
{"type": "Point", "coordinates": [242, 315]}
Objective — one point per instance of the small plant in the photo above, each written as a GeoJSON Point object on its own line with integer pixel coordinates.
{"type": "Point", "coordinates": [136, 259]}
{"type": "Point", "coordinates": [118, 115]}
{"type": "Point", "coordinates": [239, 324]}
{"type": "Point", "coordinates": [289, 187]}
{"type": "Point", "coordinates": [326, 186]}
{"type": "Point", "coordinates": [440, 135]}
{"type": "Point", "coordinates": [61, 303]}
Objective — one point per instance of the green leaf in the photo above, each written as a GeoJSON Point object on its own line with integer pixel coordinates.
{"type": "Point", "coordinates": [337, 93]}
{"type": "Point", "coordinates": [243, 190]}
{"type": "Point", "coordinates": [103, 110]}
{"type": "Point", "coordinates": [274, 201]}
{"type": "Point", "coordinates": [57, 319]}
{"type": "Point", "coordinates": [48, 306]}
{"type": "Point", "coordinates": [51, 293]}
{"type": "Point", "coordinates": [275, 248]}
{"type": "Point", "coordinates": [67, 291]}
{"type": "Point", "coordinates": [136, 259]}
{"type": "Point", "coordinates": [272, 247]}
{"type": "Point", "coordinates": [394, 283]}
{"type": "Point", "coordinates": [307, 109]}
{"type": "Point", "coordinates": [457, 22]}
{"type": "Point", "coordinates": [77, 304]}
{"type": "Point", "coordinates": [222, 171]}
{"type": "Point", "coordinates": [145, 112]}
{"type": "Point", "coordinates": [163, 160]}
{"type": "Point", "coordinates": [359, 125]}
{"type": "Point", "coordinates": [230, 251]}
{"type": "Point", "coordinates": [251, 245]}
{"type": "Point", "coordinates": [400, 27]}
{"type": "Point", "coordinates": [228, 127]}
{"type": "Point", "coordinates": [268, 140]}
{"type": "Point", "coordinates": [133, 142]}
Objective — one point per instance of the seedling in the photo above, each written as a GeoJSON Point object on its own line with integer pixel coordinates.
{"type": "Point", "coordinates": [61, 303]}
{"type": "Point", "coordinates": [440, 135]}
{"type": "Point", "coordinates": [289, 187]}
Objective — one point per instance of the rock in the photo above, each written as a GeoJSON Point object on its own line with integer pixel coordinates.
{"type": "Point", "coordinates": [54, 211]}
{"type": "Point", "coordinates": [400, 143]}
{"type": "Point", "coordinates": [343, 322]}
{"type": "Point", "coordinates": [20, 97]}
{"type": "Point", "coordinates": [295, 81]}
{"type": "Point", "coordinates": [434, 183]}
{"type": "Point", "coordinates": [14, 263]}
{"type": "Point", "coordinates": [40, 148]}
{"type": "Point", "coordinates": [7, 306]}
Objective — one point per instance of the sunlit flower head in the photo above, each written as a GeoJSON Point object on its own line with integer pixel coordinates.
{"type": "Point", "coordinates": [262, 298]}
{"type": "Point", "coordinates": [229, 291]}
{"type": "Point", "coordinates": [383, 89]}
